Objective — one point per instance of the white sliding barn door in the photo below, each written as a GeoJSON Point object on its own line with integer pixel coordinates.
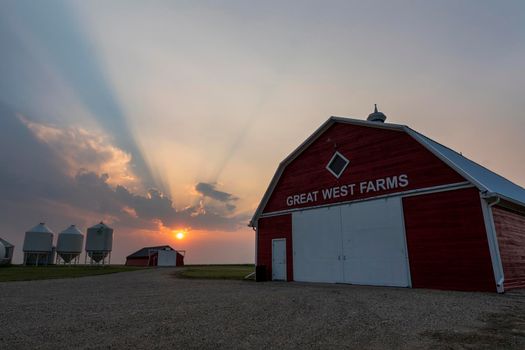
{"type": "Point", "coordinates": [317, 245]}
{"type": "Point", "coordinates": [374, 247]}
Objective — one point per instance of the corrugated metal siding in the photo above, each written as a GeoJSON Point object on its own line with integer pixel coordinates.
{"type": "Point", "coordinates": [373, 153]}
{"type": "Point", "coordinates": [510, 230]}
{"type": "Point", "coordinates": [447, 241]}
{"type": "Point", "coordinates": [272, 228]}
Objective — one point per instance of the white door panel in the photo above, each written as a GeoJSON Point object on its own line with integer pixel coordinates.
{"type": "Point", "coordinates": [167, 258]}
{"type": "Point", "coordinates": [317, 245]}
{"type": "Point", "coordinates": [279, 259]}
{"type": "Point", "coordinates": [374, 246]}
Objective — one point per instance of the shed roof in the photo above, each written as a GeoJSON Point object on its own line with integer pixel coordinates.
{"type": "Point", "coordinates": [484, 179]}
{"type": "Point", "coordinates": [6, 243]}
{"type": "Point", "coordinates": [144, 252]}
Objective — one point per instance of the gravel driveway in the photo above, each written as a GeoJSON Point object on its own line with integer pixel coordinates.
{"type": "Point", "coordinates": [153, 309]}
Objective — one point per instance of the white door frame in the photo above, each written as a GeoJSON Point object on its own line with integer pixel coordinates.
{"type": "Point", "coordinates": [285, 259]}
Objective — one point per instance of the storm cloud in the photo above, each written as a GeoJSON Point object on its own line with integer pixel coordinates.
{"type": "Point", "coordinates": [61, 175]}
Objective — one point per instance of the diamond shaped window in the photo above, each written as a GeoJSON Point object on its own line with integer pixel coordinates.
{"type": "Point", "coordinates": [337, 164]}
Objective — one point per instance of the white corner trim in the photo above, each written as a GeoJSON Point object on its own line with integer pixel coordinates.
{"type": "Point", "coordinates": [256, 229]}
{"type": "Point", "coordinates": [409, 274]}
{"type": "Point", "coordinates": [497, 266]}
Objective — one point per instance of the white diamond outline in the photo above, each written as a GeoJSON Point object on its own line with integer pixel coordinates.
{"type": "Point", "coordinates": [330, 161]}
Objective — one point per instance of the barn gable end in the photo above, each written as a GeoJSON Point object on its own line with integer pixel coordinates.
{"type": "Point", "coordinates": [380, 162]}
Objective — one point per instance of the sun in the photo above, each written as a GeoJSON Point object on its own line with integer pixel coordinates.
{"type": "Point", "coordinates": [179, 233]}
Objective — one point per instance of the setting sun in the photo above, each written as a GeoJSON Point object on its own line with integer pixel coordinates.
{"type": "Point", "coordinates": [179, 235]}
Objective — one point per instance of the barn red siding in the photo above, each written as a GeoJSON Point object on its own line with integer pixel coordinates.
{"type": "Point", "coordinates": [152, 261]}
{"type": "Point", "coordinates": [510, 230]}
{"type": "Point", "coordinates": [180, 259]}
{"type": "Point", "coordinates": [373, 154]}
{"type": "Point", "coordinates": [142, 261]}
{"type": "Point", "coordinates": [447, 241]}
{"type": "Point", "coordinates": [272, 228]}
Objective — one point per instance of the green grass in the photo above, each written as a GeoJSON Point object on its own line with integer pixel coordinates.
{"type": "Point", "coordinates": [30, 273]}
{"type": "Point", "coordinates": [222, 272]}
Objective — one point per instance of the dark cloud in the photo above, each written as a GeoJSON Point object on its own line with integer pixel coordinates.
{"type": "Point", "coordinates": [35, 185]}
{"type": "Point", "coordinates": [28, 169]}
{"type": "Point", "coordinates": [93, 191]}
{"type": "Point", "coordinates": [210, 190]}
{"type": "Point", "coordinates": [153, 206]}
{"type": "Point", "coordinates": [225, 202]}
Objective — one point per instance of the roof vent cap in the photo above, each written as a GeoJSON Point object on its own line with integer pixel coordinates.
{"type": "Point", "coordinates": [376, 116]}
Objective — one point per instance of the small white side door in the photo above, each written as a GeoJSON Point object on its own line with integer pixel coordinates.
{"type": "Point", "coordinates": [279, 259]}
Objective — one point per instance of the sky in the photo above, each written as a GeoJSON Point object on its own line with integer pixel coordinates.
{"type": "Point", "coordinates": [165, 116]}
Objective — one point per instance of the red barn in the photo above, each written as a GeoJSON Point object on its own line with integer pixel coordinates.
{"type": "Point", "coordinates": [374, 203]}
{"type": "Point", "coordinates": [156, 256]}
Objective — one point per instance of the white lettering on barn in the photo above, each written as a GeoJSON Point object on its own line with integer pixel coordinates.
{"type": "Point", "coordinates": [349, 190]}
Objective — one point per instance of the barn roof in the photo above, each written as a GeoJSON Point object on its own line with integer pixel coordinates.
{"type": "Point", "coordinates": [6, 243]}
{"type": "Point", "coordinates": [487, 181]}
{"type": "Point", "coordinates": [144, 252]}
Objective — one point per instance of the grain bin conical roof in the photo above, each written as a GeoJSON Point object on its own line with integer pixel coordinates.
{"type": "Point", "coordinates": [71, 230]}
{"type": "Point", "coordinates": [41, 227]}
{"type": "Point", "coordinates": [38, 239]}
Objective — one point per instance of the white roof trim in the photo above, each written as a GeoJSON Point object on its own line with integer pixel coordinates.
{"type": "Point", "coordinates": [6, 243]}
{"type": "Point", "coordinates": [424, 141]}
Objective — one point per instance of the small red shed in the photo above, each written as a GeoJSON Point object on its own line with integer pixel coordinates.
{"type": "Point", "coordinates": [369, 202]}
{"type": "Point", "coordinates": [156, 256]}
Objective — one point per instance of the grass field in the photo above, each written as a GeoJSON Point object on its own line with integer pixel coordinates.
{"type": "Point", "coordinates": [224, 272]}
{"type": "Point", "coordinates": [29, 273]}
